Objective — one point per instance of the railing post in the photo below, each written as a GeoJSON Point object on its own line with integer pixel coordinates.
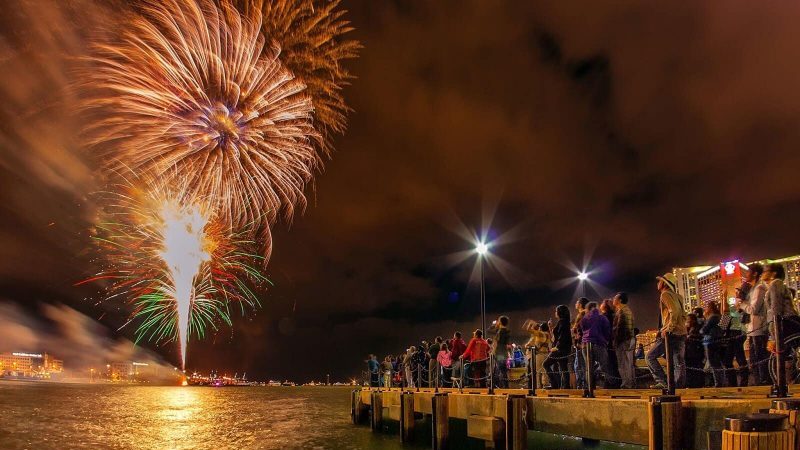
{"type": "Point", "coordinates": [779, 389]}
{"type": "Point", "coordinates": [670, 367]}
{"type": "Point", "coordinates": [462, 369]}
{"type": "Point", "coordinates": [490, 365]}
{"type": "Point", "coordinates": [532, 374]}
{"type": "Point", "coordinates": [587, 358]}
{"type": "Point", "coordinates": [419, 376]}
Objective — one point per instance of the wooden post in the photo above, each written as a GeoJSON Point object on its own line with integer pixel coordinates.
{"type": "Point", "coordinates": [439, 421]}
{"type": "Point", "coordinates": [757, 432]}
{"type": "Point", "coordinates": [516, 432]}
{"type": "Point", "coordinates": [670, 367]}
{"type": "Point", "coordinates": [358, 407]}
{"type": "Point", "coordinates": [406, 417]}
{"type": "Point", "coordinates": [779, 389]}
{"type": "Point", "coordinates": [377, 411]}
{"type": "Point", "coordinates": [532, 374]}
{"type": "Point", "coordinates": [791, 408]}
{"type": "Point", "coordinates": [664, 414]}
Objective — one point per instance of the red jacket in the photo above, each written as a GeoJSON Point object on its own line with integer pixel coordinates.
{"type": "Point", "coordinates": [477, 350]}
{"type": "Point", "coordinates": [457, 348]}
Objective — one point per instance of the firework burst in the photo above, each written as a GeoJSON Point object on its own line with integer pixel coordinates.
{"type": "Point", "coordinates": [192, 93]}
{"type": "Point", "coordinates": [311, 36]}
{"type": "Point", "coordinates": [181, 269]}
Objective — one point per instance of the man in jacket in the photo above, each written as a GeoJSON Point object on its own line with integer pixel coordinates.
{"type": "Point", "coordinates": [457, 347]}
{"type": "Point", "coordinates": [673, 331]}
{"type": "Point", "coordinates": [780, 304]}
{"type": "Point", "coordinates": [754, 305]}
{"type": "Point", "coordinates": [624, 340]}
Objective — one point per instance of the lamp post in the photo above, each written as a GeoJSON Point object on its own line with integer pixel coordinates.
{"type": "Point", "coordinates": [482, 249]}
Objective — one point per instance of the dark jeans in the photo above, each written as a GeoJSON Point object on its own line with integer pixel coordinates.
{"type": "Point", "coordinates": [735, 350]}
{"type": "Point", "coordinates": [714, 354]}
{"type": "Point", "coordinates": [502, 372]}
{"type": "Point", "coordinates": [478, 370]}
{"type": "Point", "coordinates": [557, 366]}
{"type": "Point", "coordinates": [677, 344]}
{"type": "Point", "coordinates": [759, 359]}
{"type": "Point", "coordinates": [695, 376]}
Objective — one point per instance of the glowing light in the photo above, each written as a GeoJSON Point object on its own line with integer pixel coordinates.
{"type": "Point", "coordinates": [482, 248]}
{"type": "Point", "coordinates": [583, 276]}
{"type": "Point", "coordinates": [184, 250]}
{"type": "Point", "coordinates": [28, 355]}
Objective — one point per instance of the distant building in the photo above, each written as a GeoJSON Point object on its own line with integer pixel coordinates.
{"type": "Point", "coordinates": [23, 364]}
{"type": "Point", "coordinates": [687, 284]}
{"type": "Point", "coordinates": [130, 371]}
{"type": "Point", "coordinates": [720, 282]}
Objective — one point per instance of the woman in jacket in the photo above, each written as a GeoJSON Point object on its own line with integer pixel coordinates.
{"type": "Point", "coordinates": [557, 362]}
{"type": "Point", "coordinates": [712, 335]}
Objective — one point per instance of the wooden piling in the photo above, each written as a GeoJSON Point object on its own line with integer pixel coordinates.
{"type": "Point", "coordinates": [439, 420]}
{"type": "Point", "coordinates": [406, 417]}
{"type": "Point", "coordinates": [357, 407]}
{"type": "Point", "coordinates": [377, 411]}
{"type": "Point", "coordinates": [516, 433]}
{"type": "Point", "coordinates": [664, 416]}
{"type": "Point", "coordinates": [757, 432]}
{"type": "Point", "coordinates": [791, 409]}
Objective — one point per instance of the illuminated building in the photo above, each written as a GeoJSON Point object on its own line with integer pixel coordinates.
{"type": "Point", "coordinates": [719, 283]}
{"type": "Point", "coordinates": [23, 364]}
{"type": "Point", "coordinates": [130, 370]}
{"type": "Point", "coordinates": [687, 284]}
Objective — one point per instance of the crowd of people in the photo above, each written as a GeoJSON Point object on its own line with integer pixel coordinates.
{"type": "Point", "coordinates": [723, 344]}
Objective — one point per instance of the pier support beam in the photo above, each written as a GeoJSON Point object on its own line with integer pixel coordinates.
{"type": "Point", "coordinates": [377, 411]}
{"type": "Point", "coordinates": [439, 421]}
{"type": "Point", "coordinates": [664, 416]}
{"type": "Point", "coordinates": [516, 432]}
{"type": "Point", "coordinates": [356, 407]}
{"type": "Point", "coordinates": [406, 417]}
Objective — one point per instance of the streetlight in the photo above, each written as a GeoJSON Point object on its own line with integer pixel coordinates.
{"type": "Point", "coordinates": [482, 249]}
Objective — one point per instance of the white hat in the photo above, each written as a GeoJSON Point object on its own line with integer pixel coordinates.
{"type": "Point", "coordinates": [670, 280]}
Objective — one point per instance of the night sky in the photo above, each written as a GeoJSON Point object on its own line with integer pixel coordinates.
{"type": "Point", "coordinates": [641, 135]}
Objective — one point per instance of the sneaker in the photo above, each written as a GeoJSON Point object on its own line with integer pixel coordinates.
{"type": "Point", "coordinates": [658, 386]}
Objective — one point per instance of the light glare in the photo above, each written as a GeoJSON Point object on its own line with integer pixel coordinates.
{"type": "Point", "coordinates": [583, 276]}
{"type": "Point", "coordinates": [482, 248]}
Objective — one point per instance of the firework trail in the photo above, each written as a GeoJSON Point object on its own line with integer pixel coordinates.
{"type": "Point", "coordinates": [311, 36]}
{"type": "Point", "coordinates": [179, 267]}
{"type": "Point", "coordinates": [192, 93]}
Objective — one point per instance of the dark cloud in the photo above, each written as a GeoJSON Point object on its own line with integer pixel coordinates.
{"type": "Point", "coordinates": [657, 135]}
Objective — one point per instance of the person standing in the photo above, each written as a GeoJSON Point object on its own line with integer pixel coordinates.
{"type": "Point", "coordinates": [695, 354]}
{"type": "Point", "coordinates": [712, 335]}
{"type": "Point", "coordinates": [577, 338]}
{"type": "Point", "coordinates": [445, 361]}
{"type": "Point", "coordinates": [673, 331]}
{"type": "Point", "coordinates": [613, 379]}
{"type": "Point", "coordinates": [537, 347]}
{"type": "Point", "coordinates": [477, 353]}
{"type": "Point", "coordinates": [433, 363]}
{"type": "Point", "coordinates": [374, 369]}
{"type": "Point", "coordinates": [733, 343]}
{"type": "Point", "coordinates": [457, 347]}
{"type": "Point", "coordinates": [502, 341]}
{"type": "Point", "coordinates": [596, 333]}
{"type": "Point", "coordinates": [780, 303]}
{"type": "Point", "coordinates": [557, 362]}
{"type": "Point", "coordinates": [624, 340]}
{"type": "Point", "coordinates": [410, 366]}
{"type": "Point", "coordinates": [757, 333]}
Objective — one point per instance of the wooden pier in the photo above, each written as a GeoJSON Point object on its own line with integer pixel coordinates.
{"type": "Point", "coordinates": [691, 419]}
